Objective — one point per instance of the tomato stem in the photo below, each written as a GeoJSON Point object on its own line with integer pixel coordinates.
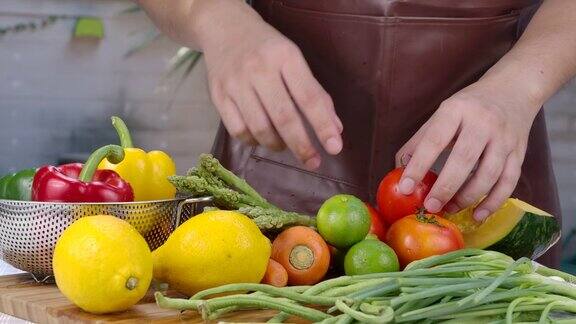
{"type": "Point", "coordinates": [422, 217]}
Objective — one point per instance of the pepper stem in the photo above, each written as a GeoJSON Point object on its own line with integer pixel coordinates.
{"type": "Point", "coordinates": [123, 132]}
{"type": "Point", "coordinates": [114, 154]}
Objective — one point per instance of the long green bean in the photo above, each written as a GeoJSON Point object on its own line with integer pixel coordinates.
{"type": "Point", "coordinates": [439, 291]}
{"type": "Point", "coordinates": [477, 297]}
{"type": "Point", "coordinates": [270, 290]}
{"type": "Point", "coordinates": [342, 291]}
{"type": "Point", "coordinates": [416, 304]}
{"type": "Point", "coordinates": [452, 306]}
{"type": "Point", "coordinates": [386, 316]}
{"type": "Point", "coordinates": [442, 259]}
{"type": "Point", "coordinates": [511, 307]}
{"type": "Point", "coordinates": [548, 272]}
{"type": "Point", "coordinates": [315, 290]}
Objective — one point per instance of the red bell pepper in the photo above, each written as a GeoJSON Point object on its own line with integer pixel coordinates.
{"type": "Point", "coordinates": [76, 183]}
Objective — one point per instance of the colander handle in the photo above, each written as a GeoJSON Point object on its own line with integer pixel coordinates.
{"type": "Point", "coordinates": [189, 201]}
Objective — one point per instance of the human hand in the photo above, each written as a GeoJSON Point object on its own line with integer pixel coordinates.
{"type": "Point", "coordinates": [259, 82]}
{"type": "Point", "coordinates": [487, 125]}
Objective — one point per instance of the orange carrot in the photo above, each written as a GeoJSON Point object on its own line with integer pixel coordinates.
{"type": "Point", "coordinates": [275, 274]}
{"type": "Point", "coordinates": [303, 253]}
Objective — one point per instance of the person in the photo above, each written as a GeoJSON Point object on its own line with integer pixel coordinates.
{"type": "Point", "coordinates": [354, 88]}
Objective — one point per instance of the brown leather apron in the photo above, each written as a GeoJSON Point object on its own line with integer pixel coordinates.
{"type": "Point", "coordinates": [387, 64]}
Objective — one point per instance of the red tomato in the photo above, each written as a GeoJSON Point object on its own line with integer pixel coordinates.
{"type": "Point", "coordinates": [378, 227]}
{"type": "Point", "coordinates": [419, 236]}
{"type": "Point", "coordinates": [394, 205]}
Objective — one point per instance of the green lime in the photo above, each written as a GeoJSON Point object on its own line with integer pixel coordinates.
{"type": "Point", "coordinates": [370, 256]}
{"type": "Point", "coordinates": [343, 220]}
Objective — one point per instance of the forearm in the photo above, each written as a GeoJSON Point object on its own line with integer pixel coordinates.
{"type": "Point", "coordinates": [194, 23]}
{"type": "Point", "coordinates": [545, 56]}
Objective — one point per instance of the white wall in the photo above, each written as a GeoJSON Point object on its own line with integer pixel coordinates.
{"type": "Point", "coordinates": [62, 90]}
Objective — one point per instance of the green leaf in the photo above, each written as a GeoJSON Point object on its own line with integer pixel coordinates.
{"type": "Point", "coordinates": [89, 27]}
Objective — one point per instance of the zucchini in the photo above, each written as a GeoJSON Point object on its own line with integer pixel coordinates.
{"type": "Point", "coordinates": [516, 229]}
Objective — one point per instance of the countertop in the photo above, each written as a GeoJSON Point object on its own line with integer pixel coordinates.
{"type": "Point", "coordinates": [6, 269]}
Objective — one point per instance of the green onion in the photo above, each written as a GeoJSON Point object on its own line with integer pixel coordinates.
{"type": "Point", "coordinates": [466, 286]}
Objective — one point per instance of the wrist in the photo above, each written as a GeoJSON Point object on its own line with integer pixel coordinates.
{"type": "Point", "coordinates": [213, 22]}
{"type": "Point", "coordinates": [519, 83]}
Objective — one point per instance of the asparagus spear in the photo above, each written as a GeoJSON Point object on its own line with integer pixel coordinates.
{"type": "Point", "coordinates": [223, 197]}
{"type": "Point", "coordinates": [230, 192]}
{"type": "Point", "coordinates": [211, 164]}
{"type": "Point", "coordinates": [270, 219]}
{"type": "Point", "coordinates": [201, 172]}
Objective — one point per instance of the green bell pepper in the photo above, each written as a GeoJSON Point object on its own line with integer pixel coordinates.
{"type": "Point", "coordinates": [17, 186]}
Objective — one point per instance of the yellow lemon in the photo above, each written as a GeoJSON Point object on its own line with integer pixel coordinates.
{"type": "Point", "coordinates": [212, 249]}
{"type": "Point", "coordinates": [102, 264]}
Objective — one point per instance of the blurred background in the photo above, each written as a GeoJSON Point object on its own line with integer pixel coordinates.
{"type": "Point", "coordinates": [66, 66]}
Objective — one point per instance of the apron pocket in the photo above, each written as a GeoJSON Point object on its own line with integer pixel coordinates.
{"type": "Point", "coordinates": [456, 8]}
{"type": "Point", "coordinates": [293, 188]}
{"type": "Point", "coordinates": [413, 8]}
{"type": "Point", "coordinates": [443, 15]}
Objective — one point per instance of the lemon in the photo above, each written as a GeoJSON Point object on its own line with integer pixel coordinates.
{"type": "Point", "coordinates": [102, 264]}
{"type": "Point", "coordinates": [212, 249]}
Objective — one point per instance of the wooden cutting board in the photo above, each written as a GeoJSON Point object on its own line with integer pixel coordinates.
{"type": "Point", "coordinates": [22, 297]}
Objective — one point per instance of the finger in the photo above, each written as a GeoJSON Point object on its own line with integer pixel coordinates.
{"type": "Point", "coordinates": [483, 179]}
{"type": "Point", "coordinates": [464, 156]}
{"type": "Point", "coordinates": [436, 137]}
{"type": "Point", "coordinates": [256, 119]}
{"type": "Point", "coordinates": [233, 121]}
{"type": "Point", "coordinates": [314, 102]}
{"type": "Point", "coordinates": [502, 190]}
{"type": "Point", "coordinates": [230, 115]}
{"type": "Point", "coordinates": [284, 116]}
{"type": "Point", "coordinates": [404, 155]}
{"type": "Point", "coordinates": [339, 123]}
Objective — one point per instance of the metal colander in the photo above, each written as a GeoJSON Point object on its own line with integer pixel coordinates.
{"type": "Point", "coordinates": [29, 230]}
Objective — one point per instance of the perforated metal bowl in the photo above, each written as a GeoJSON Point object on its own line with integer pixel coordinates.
{"type": "Point", "coordinates": [29, 230]}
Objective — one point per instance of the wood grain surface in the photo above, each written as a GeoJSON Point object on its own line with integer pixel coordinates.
{"type": "Point", "coordinates": [21, 297]}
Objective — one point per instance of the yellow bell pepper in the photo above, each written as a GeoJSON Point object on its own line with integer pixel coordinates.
{"type": "Point", "coordinates": [147, 173]}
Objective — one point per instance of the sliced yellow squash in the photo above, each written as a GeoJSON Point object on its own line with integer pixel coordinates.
{"type": "Point", "coordinates": [517, 229]}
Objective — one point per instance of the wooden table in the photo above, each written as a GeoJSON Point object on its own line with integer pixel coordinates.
{"type": "Point", "coordinates": [6, 269]}
{"type": "Point", "coordinates": [22, 298]}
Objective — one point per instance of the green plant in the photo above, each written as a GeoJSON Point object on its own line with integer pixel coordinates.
{"type": "Point", "coordinates": [33, 24]}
